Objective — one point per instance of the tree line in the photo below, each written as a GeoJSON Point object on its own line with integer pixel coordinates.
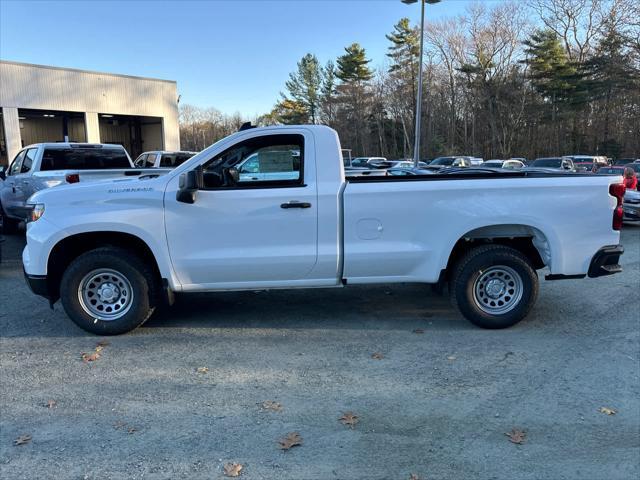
{"type": "Point", "coordinates": [542, 78]}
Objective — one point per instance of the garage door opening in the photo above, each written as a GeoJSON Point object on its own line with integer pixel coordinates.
{"type": "Point", "coordinates": [135, 133]}
{"type": "Point", "coordinates": [39, 126]}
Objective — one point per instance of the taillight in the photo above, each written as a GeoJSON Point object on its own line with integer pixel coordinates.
{"type": "Point", "coordinates": [617, 190]}
{"type": "Point", "coordinates": [72, 177]}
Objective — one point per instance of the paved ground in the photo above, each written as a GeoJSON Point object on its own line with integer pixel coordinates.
{"type": "Point", "coordinates": [437, 404]}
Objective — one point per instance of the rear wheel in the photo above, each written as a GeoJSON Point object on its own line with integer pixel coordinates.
{"type": "Point", "coordinates": [494, 286]}
{"type": "Point", "coordinates": [108, 291]}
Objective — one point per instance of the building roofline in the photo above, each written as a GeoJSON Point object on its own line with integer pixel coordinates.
{"type": "Point", "coordinates": [94, 72]}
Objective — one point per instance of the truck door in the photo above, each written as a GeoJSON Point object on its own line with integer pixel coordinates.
{"type": "Point", "coordinates": [24, 181]}
{"type": "Point", "coordinates": [10, 191]}
{"type": "Point", "coordinates": [259, 230]}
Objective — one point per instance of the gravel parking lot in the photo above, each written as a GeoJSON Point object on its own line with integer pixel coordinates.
{"type": "Point", "coordinates": [184, 395]}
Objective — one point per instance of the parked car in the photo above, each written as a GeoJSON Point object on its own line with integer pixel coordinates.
{"type": "Point", "coordinates": [622, 161]}
{"type": "Point", "coordinates": [368, 162]}
{"type": "Point", "coordinates": [45, 165]}
{"type": "Point", "coordinates": [588, 163]}
{"type": "Point", "coordinates": [635, 167]}
{"type": "Point", "coordinates": [408, 164]}
{"type": "Point", "coordinates": [131, 243]}
{"type": "Point", "coordinates": [555, 163]}
{"type": "Point", "coordinates": [631, 206]}
{"type": "Point", "coordinates": [521, 159]}
{"type": "Point", "coordinates": [162, 159]}
{"type": "Point", "coordinates": [509, 164]}
{"type": "Point", "coordinates": [444, 162]}
{"type": "Point", "coordinates": [476, 161]}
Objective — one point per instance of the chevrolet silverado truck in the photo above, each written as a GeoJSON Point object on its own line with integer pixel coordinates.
{"type": "Point", "coordinates": [114, 251]}
{"type": "Point", "coordinates": [45, 165]}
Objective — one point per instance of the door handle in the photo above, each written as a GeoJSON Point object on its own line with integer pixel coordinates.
{"type": "Point", "coordinates": [295, 204]}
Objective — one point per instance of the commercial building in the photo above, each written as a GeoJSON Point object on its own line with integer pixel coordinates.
{"type": "Point", "coordinates": [50, 104]}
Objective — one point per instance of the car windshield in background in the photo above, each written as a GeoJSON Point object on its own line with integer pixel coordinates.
{"type": "Point", "coordinates": [547, 162]}
{"type": "Point", "coordinates": [84, 159]}
{"type": "Point", "coordinates": [444, 161]}
{"type": "Point", "coordinates": [174, 159]}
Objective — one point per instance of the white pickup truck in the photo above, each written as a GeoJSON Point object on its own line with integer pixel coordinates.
{"type": "Point", "coordinates": [45, 165]}
{"type": "Point", "coordinates": [113, 251]}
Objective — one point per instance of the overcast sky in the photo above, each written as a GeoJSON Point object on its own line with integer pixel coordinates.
{"type": "Point", "coordinates": [233, 55]}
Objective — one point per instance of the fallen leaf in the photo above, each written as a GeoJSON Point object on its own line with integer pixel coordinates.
{"type": "Point", "coordinates": [99, 349]}
{"type": "Point", "coordinates": [103, 343]}
{"type": "Point", "coordinates": [202, 370]}
{"type": "Point", "coordinates": [271, 405]}
{"type": "Point", "coordinates": [377, 356]}
{"type": "Point", "coordinates": [418, 331]}
{"type": "Point", "coordinates": [608, 411]}
{"type": "Point", "coordinates": [516, 436]}
{"type": "Point", "coordinates": [51, 404]}
{"type": "Point", "coordinates": [22, 440]}
{"type": "Point", "coordinates": [293, 439]}
{"type": "Point", "coordinates": [90, 357]}
{"type": "Point", "coordinates": [232, 469]}
{"type": "Point", "coordinates": [349, 419]}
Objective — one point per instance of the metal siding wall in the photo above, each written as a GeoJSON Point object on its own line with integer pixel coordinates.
{"type": "Point", "coordinates": [42, 88]}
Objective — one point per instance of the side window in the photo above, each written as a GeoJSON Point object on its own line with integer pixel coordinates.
{"type": "Point", "coordinates": [16, 165]}
{"type": "Point", "coordinates": [140, 161]}
{"type": "Point", "coordinates": [270, 160]}
{"type": "Point", "coordinates": [151, 160]}
{"type": "Point", "coordinates": [29, 157]}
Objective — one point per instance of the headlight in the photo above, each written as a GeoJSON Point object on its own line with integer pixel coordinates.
{"type": "Point", "coordinates": [36, 212]}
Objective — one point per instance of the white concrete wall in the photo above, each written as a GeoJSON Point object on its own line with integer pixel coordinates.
{"type": "Point", "coordinates": [50, 88]}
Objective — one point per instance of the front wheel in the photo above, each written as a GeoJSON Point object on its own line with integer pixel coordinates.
{"type": "Point", "coordinates": [494, 286]}
{"type": "Point", "coordinates": [108, 291]}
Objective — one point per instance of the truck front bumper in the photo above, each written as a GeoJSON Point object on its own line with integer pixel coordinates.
{"type": "Point", "coordinates": [605, 261]}
{"type": "Point", "coordinates": [37, 284]}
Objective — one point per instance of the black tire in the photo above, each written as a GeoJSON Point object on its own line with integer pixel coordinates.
{"type": "Point", "coordinates": [131, 267]}
{"type": "Point", "coordinates": [516, 286]}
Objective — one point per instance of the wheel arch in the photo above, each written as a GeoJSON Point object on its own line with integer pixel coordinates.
{"type": "Point", "coordinates": [527, 239]}
{"type": "Point", "coordinates": [72, 246]}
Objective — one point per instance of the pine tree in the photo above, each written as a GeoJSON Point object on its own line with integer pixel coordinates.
{"type": "Point", "coordinates": [304, 89]}
{"type": "Point", "coordinates": [353, 66]}
{"type": "Point", "coordinates": [405, 48]}
{"type": "Point", "coordinates": [328, 93]}
{"type": "Point", "coordinates": [610, 75]}
{"type": "Point", "coordinates": [404, 52]}
{"type": "Point", "coordinates": [354, 72]}
{"type": "Point", "coordinates": [555, 78]}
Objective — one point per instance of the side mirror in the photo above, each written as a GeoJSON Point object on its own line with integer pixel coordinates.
{"type": "Point", "coordinates": [188, 186]}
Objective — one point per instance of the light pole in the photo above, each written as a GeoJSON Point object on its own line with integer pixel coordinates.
{"type": "Point", "coordinates": [416, 145]}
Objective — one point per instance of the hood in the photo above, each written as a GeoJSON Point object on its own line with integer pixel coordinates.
{"type": "Point", "coordinates": [99, 189]}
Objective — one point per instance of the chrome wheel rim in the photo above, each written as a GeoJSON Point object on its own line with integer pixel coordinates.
{"type": "Point", "coordinates": [105, 294]}
{"type": "Point", "coordinates": [498, 290]}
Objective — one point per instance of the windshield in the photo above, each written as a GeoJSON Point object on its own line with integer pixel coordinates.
{"type": "Point", "coordinates": [445, 161]}
{"type": "Point", "coordinates": [547, 162]}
